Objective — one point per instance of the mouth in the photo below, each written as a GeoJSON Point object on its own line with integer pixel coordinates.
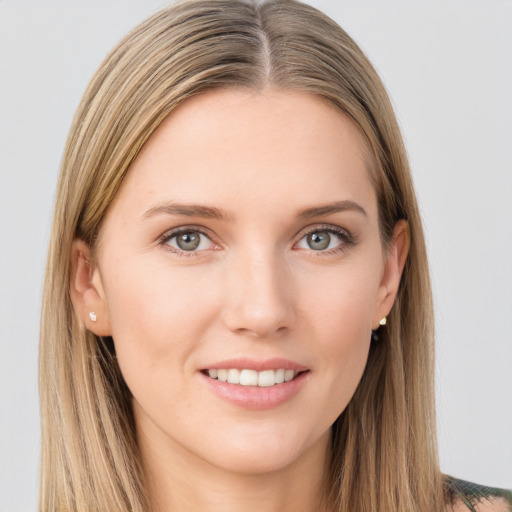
{"type": "Point", "coordinates": [255, 384]}
{"type": "Point", "coordinates": [249, 377]}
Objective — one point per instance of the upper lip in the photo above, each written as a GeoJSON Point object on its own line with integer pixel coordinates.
{"type": "Point", "coordinates": [259, 365]}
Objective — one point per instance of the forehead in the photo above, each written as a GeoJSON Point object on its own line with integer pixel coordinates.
{"type": "Point", "coordinates": [242, 149]}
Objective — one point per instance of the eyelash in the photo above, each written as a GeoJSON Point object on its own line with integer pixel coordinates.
{"type": "Point", "coordinates": [346, 240]}
{"type": "Point", "coordinates": [164, 240]}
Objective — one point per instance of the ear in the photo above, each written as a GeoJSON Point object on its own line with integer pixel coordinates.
{"type": "Point", "coordinates": [393, 268]}
{"type": "Point", "coordinates": [86, 290]}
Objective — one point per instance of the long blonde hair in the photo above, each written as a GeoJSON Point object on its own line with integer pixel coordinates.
{"type": "Point", "coordinates": [384, 455]}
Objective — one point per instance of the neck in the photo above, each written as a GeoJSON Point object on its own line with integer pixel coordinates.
{"type": "Point", "coordinates": [179, 480]}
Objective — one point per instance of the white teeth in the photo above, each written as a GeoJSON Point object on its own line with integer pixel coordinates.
{"type": "Point", "coordinates": [234, 376]}
{"type": "Point", "coordinates": [249, 378]}
{"type": "Point", "coordinates": [288, 375]}
{"type": "Point", "coordinates": [245, 377]}
{"type": "Point", "coordinates": [266, 378]}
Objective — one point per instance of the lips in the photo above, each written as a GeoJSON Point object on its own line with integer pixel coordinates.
{"type": "Point", "coordinates": [255, 384]}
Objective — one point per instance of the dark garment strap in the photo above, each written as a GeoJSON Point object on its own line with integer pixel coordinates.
{"type": "Point", "coordinates": [471, 494]}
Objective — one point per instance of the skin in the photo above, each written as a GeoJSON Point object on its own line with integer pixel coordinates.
{"type": "Point", "coordinates": [255, 288]}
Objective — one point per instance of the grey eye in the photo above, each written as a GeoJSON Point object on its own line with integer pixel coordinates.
{"type": "Point", "coordinates": [188, 241]}
{"type": "Point", "coordinates": [318, 240]}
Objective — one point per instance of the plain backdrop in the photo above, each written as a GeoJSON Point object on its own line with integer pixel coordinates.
{"type": "Point", "coordinates": [448, 67]}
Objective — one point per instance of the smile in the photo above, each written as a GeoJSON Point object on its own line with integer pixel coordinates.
{"type": "Point", "coordinates": [255, 384]}
{"type": "Point", "coordinates": [248, 377]}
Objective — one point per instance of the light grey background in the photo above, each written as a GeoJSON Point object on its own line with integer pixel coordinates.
{"type": "Point", "coordinates": [448, 67]}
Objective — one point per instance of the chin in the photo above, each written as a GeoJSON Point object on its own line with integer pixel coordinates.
{"type": "Point", "coordinates": [256, 461]}
{"type": "Point", "coordinates": [259, 455]}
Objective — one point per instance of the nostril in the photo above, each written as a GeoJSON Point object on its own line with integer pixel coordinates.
{"type": "Point", "coordinates": [262, 331]}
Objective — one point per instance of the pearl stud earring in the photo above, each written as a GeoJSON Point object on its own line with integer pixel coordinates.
{"type": "Point", "coordinates": [92, 316]}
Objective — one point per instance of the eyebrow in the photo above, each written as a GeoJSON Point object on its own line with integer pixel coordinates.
{"type": "Point", "coordinates": [329, 209]}
{"type": "Point", "coordinates": [188, 210]}
{"type": "Point", "coordinates": [211, 212]}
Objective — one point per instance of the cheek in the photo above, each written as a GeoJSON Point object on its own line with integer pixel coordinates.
{"type": "Point", "coordinates": [343, 302]}
{"type": "Point", "coordinates": [156, 314]}
{"type": "Point", "coordinates": [341, 316]}
{"type": "Point", "coordinates": [149, 295]}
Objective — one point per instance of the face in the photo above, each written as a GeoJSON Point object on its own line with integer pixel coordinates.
{"type": "Point", "coordinates": [243, 245]}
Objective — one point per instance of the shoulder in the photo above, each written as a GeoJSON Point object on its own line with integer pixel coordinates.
{"type": "Point", "coordinates": [465, 496]}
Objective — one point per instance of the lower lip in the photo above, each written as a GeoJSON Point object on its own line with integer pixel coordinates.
{"type": "Point", "coordinates": [255, 397]}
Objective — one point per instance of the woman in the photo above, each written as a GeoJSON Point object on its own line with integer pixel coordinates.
{"type": "Point", "coordinates": [237, 306]}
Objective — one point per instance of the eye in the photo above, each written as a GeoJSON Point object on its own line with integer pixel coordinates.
{"type": "Point", "coordinates": [188, 240]}
{"type": "Point", "coordinates": [328, 239]}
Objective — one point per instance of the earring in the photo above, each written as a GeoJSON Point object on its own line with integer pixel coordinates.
{"type": "Point", "coordinates": [92, 316]}
{"type": "Point", "coordinates": [383, 321]}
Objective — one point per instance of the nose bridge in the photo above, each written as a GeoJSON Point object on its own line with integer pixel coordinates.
{"type": "Point", "coordinates": [260, 293]}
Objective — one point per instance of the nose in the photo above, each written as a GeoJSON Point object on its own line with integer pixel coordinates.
{"type": "Point", "coordinates": [259, 295]}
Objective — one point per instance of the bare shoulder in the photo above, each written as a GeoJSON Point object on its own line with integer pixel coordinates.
{"type": "Point", "coordinates": [465, 496]}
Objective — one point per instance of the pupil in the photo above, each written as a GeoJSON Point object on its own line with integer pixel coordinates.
{"type": "Point", "coordinates": [319, 240]}
{"type": "Point", "coordinates": [188, 241]}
